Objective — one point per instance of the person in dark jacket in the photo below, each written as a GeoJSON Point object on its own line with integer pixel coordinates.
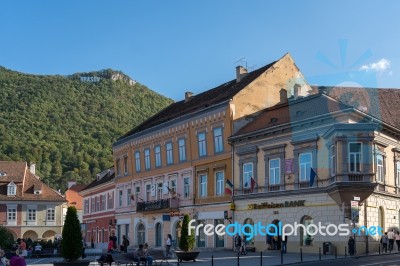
{"type": "Point", "coordinates": [351, 244]}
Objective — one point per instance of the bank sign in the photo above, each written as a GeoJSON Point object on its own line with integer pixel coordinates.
{"type": "Point", "coordinates": [272, 205]}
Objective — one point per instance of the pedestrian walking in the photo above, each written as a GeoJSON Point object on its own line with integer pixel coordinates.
{"type": "Point", "coordinates": [238, 243]}
{"type": "Point", "coordinates": [168, 246]}
{"type": "Point", "coordinates": [384, 242]}
{"type": "Point", "coordinates": [397, 239]}
{"type": "Point", "coordinates": [391, 239]}
{"type": "Point", "coordinates": [284, 244]}
{"type": "Point", "coordinates": [125, 244]}
{"type": "Point", "coordinates": [351, 244]}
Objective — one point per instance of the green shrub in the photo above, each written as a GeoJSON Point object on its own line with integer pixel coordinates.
{"type": "Point", "coordinates": [71, 244]}
{"type": "Point", "coordinates": [6, 238]}
{"type": "Point", "coordinates": [187, 241]}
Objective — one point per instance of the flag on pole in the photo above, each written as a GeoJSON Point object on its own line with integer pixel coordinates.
{"type": "Point", "coordinates": [253, 184]}
{"type": "Point", "coordinates": [228, 187]}
{"type": "Point", "coordinates": [171, 191]}
{"type": "Point", "coordinates": [313, 175]}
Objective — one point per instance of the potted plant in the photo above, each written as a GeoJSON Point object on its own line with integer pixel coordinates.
{"type": "Point", "coordinates": [71, 243]}
{"type": "Point", "coordinates": [186, 243]}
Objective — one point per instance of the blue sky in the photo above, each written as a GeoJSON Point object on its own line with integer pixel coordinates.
{"type": "Point", "coordinates": [178, 46]}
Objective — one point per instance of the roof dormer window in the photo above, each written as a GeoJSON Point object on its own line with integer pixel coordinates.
{"type": "Point", "coordinates": [11, 189]}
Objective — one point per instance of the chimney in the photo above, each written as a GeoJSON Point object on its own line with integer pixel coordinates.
{"type": "Point", "coordinates": [240, 73]}
{"type": "Point", "coordinates": [32, 168]}
{"type": "Point", "coordinates": [283, 96]}
{"type": "Point", "coordinates": [188, 95]}
{"type": "Point", "coordinates": [296, 90]}
{"type": "Point", "coordinates": [71, 183]}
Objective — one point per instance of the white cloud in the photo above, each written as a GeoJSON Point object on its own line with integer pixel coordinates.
{"type": "Point", "coordinates": [379, 66]}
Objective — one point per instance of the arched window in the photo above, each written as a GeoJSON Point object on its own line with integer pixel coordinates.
{"type": "Point", "coordinates": [250, 222]}
{"type": "Point", "coordinates": [305, 238]}
{"type": "Point", "coordinates": [381, 218]}
{"type": "Point", "coordinates": [141, 234]}
{"type": "Point", "coordinates": [178, 228]}
{"type": "Point", "coordinates": [158, 235]}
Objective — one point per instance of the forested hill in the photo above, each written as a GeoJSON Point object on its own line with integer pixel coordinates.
{"type": "Point", "coordinates": [67, 124]}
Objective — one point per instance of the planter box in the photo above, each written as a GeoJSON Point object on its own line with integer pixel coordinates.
{"type": "Point", "coordinates": [187, 256]}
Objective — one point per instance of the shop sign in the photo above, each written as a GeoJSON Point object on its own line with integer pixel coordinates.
{"type": "Point", "coordinates": [90, 221]}
{"type": "Point", "coordinates": [271, 205]}
{"type": "Point", "coordinates": [166, 217]}
{"type": "Point", "coordinates": [174, 214]}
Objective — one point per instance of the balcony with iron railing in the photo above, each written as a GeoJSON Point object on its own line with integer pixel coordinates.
{"type": "Point", "coordinates": [157, 205]}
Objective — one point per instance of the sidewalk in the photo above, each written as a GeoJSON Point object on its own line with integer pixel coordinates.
{"type": "Point", "coordinates": [229, 258]}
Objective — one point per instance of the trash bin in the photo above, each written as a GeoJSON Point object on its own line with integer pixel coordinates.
{"type": "Point", "coordinates": [327, 248]}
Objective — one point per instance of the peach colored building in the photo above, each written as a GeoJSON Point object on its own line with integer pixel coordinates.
{"type": "Point", "coordinates": [28, 207]}
{"type": "Point", "coordinates": [348, 137]}
{"type": "Point", "coordinates": [179, 160]}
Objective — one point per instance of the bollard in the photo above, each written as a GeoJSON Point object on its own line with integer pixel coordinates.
{"type": "Point", "coordinates": [281, 257]}
{"type": "Point", "coordinates": [335, 252]}
{"type": "Point", "coordinates": [178, 261]}
{"type": "Point", "coordinates": [212, 260]}
{"type": "Point", "coordinates": [301, 255]}
{"type": "Point", "coordinates": [261, 258]}
{"type": "Point", "coordinates": [319, 251]}
{"type": "Point", "coordinates": [345, 252]}
{"type": "Point", "coordinates": [238, 260]}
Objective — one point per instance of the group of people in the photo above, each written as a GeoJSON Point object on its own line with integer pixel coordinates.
{"type": "Point", "coordinates": [388, 239]}
{"type": "Point", "coordinates": [13, 258]}
{"type": "Point", "coordinates": [240, 245]}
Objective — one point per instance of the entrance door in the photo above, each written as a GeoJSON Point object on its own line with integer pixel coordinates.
{"type": "Point", "coordinates": [201, 238]}
{"type": "Point", "coordinates": [141, 234]}
{"type": "Point", "coordinates": [158, 235]}
{"type": "Point", "coordinates": [219, 240]}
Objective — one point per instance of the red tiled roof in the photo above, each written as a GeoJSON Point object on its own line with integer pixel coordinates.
{"type": "Point", "coordinates": [78, 187]}
{"type": "Point", "coordinates": [198, 102]}
{"type": "Point", "coordinates": [379, 103]}
{"type": "Point", "coordinates": [293, 111]}
{"type": "Point", "coordinates": [26, 182]}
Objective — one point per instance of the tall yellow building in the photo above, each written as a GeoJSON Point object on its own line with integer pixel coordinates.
{"type": "Point", "coordinates": [179, 160]}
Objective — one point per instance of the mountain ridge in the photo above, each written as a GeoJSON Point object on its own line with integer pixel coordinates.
{"type": "Point", "coordinates": [67, 125]}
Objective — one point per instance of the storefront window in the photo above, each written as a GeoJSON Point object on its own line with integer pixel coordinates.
{"type": "Point", "coordinates": [306, 239]}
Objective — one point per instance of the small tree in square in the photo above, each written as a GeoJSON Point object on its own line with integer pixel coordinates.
{"type": "Point", "coordinates": [187, 241]}
{"type": "Point", "coordinates": [71, 244]}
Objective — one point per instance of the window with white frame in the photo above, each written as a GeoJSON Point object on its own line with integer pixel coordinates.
{"type": "Point", "coordinates": [137, 161]}
{"type": "Point", "coordinates": [98, 203]}
{"type": "Point", "coordinates": [51, 214]}
{"type": "Point", "coordinates": [398, 173]}
{"type": "Point", "coordinates": [355, 157]}
{"type": "Point", "coordinates": [170, 154]}
{"type": "Point", "coordinates": [120, 197]}
{"type": "Point", "coordinates": [86, 209]}
{"type": "Point", "coordinates": [218, 140]}
{"type": "Point", "coordinates": [247, 174]}
{"type": "Point", "coordinates": [202, 144]}
{"type": "Point", "coordinates": [128, 197]}
{"type": "Point", "coordinates": [148, 192]}
{"type": "Point", "coordinates": [11, 214]}
{"type": "Point", "coordinates": [147, 159]}
{"type": "Point", "coordinates": [203, 185]}
{"type": "Point", "coordinates": [118, 162]}
{"type": "Point", "coordinates": [173, 185]}
{"type": "Point", "coordinates": [157, 154]}
{"type": "Point", "coordinates": [159, 190]}
{"type": "Point", "coordinates": [186, 187]}
{"type": "Point", "coordinates": [182, 149]}
{"type": "Point", "coordinates": [380, 175]}
{"type": "Point", "coordinates": [274, 171]}
{"type": "Point", "coordinates": [305, 163]}
{"type": "Point", "coordinates": [31, 214]}
{"type": "Point", "coordinates": [11, 189]}
{"type": "Point", "coordinates": [333, 160]}
{"type": "Point", "coordinates": [103, 202]}
{"type": "Point", "coordinates": [126, 165]}
{"type": "Point", "coordinates": [93, 203]}
{"type": "Point", "coordinates": [219, 183]}
{"type": "Point", "coordinates": [110, 200]}
{"type": "Point", "coordinates": [137, 193]}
